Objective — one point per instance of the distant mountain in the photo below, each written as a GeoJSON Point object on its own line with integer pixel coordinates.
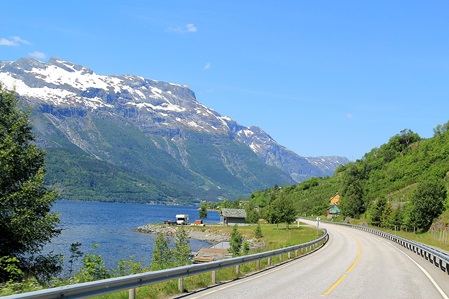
{"type": "Point", "coordinates": [128, 138]}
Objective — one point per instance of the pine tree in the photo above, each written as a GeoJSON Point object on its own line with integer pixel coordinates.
{"type": "Point", "coordinates": [258, 232]}
{"type": "Point", "coordinates": [26, 222]}
{"type": "Point", "coordinates": [395, 218]}
{"type": "Point", "coordinates": [162, 255]}
{"type": "Point", "coordinates": [246, 247]}
{"type": "Point", "coordinates": [235, 245]}
{"type": "Point", "coordinates": [384, 220]}
{"type": "Point", "coordinates": [182, 249]}
{"type": "Point", "coordinates": [376, 210]}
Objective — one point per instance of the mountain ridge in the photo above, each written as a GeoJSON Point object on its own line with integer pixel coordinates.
{"type": "Point", "coordinates": [72, 105]}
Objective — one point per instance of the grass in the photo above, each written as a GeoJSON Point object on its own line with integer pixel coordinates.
{"type": "Point", "coordinates": [439, 239]}
{"type": "Point", "coordinates": [273, 238]}
{"type": "Point", "coordinates": [276, 237]}
{"type": "Point", "coordinates": [435, 237]}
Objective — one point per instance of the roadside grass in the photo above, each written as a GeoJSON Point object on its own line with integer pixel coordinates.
{"type": "Point", "coordinates": [436, 237]}
{"type": "Point", "coordinates": [273, 238]}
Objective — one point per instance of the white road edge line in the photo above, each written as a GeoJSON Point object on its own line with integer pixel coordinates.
{"type": "Point", "coordinates": [435, 284]}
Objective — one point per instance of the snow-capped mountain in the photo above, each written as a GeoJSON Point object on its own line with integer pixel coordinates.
{"type": "Point", "coordinates": [152, 129]}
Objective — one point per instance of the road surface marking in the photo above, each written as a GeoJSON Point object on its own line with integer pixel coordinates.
{"type": "Point", "coordinates": [359, 251]}
{"type": "Point", "coordinates": [435, 284]}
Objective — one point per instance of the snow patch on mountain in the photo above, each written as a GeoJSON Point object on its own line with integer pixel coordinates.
{"type": "Point", "coordinates": [78, 79]}
{"type": "Point", "coordinates": [160, 107]}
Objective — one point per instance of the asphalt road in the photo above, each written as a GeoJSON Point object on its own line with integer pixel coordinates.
{"type": "Point", "coordinates": [354, 264]}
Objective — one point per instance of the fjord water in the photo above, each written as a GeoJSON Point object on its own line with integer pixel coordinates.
{"type": "Point", "coordinates": [111, 225]}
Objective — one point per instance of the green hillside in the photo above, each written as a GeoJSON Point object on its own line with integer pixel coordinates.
{"type": "Point", "coordinates": [80, 177]}
{"type": "Point", "coordinates": [391, 186]}
{"type": "Point", "coordinates": [112, 159]}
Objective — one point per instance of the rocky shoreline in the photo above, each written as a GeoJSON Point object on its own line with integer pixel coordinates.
{"type": "Point", "coordinates": [194, 232]}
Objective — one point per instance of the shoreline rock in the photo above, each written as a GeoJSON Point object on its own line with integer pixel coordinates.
{"type": "Point", "coordinates": [170, 230]}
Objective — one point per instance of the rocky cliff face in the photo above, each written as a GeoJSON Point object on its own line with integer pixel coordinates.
{"type": "Point", "coordinates": [152, 129]}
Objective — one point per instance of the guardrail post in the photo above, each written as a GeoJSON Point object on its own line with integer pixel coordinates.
{"type": "Point", "coordinates": [181, 285]}
{"type": "Point", "coordinates": [258, 264]}
{"type": "Point", "coordinates": [214, 277]}
{"type": "Point", "coordinates": [296, 253]}
{"type": "Point", "coordinates": [132, 294]}
{"type": "Point", "coordinates": [289, 255]}
{"type": "Point", "coordinates": [442, 268]}
{"type": "Point", "coordinates": [269, 261]}
{"type": "Point", "coordinates": [237, 269]}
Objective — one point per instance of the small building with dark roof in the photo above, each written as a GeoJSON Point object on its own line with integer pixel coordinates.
{"type": "Point", "coordinates": [232, 216]}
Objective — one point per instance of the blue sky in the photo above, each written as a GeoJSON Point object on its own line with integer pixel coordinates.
{"type": "Point", "coordinates": [321, 77]}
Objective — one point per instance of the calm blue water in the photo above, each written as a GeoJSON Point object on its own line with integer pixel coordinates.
{"type": "Point", "coordinates": [110, 225]}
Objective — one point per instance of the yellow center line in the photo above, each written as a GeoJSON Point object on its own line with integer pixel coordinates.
{"type": "Point", "coordinates": [359, 251]}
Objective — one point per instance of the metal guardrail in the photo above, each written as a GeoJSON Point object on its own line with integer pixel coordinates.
{"type": "Point", "coordinates": [131, 282]}
{"type": "Point", "coordinates": [438, 258]}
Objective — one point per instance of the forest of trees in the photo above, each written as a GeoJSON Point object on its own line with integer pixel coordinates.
{"type": "Point", "coordinates": [402, 184]}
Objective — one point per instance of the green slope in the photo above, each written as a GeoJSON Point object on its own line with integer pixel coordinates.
{"type": "Point", "coordinates": [113, 159]}
{"type": "Point", "coordinates": [393, 171]}
{"type": "Point", "coordinates": [80, 177]}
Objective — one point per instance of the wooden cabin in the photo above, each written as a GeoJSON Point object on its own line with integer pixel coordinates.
{"type": "Point", "coordinates": [232, 216]}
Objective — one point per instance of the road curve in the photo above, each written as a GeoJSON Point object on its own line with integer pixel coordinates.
{"type": "Point", "coordinates": [354, 264]}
